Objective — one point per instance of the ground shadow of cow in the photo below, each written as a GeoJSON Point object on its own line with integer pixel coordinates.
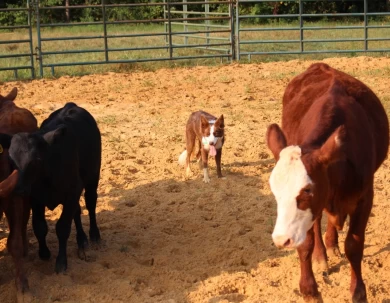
{"type": "Point", "coordinates": [162, 240]}
{"type": "Point", "coordinates": [186, 230]}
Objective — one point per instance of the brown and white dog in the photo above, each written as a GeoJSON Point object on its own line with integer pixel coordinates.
{"type": "Point", "coordinates": [209, 132]}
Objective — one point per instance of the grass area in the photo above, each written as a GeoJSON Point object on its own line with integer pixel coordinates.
{"type": "Point", "coordinates": [93, 49]}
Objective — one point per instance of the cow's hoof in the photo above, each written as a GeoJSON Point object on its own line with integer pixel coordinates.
{"type": "Point", "coordinates": [22, 285]}
{"type": "Point", "coordinates": [82, 241]}
{"type": "Point", "coordinates": [44, 253]}
{"type": "Point", "coordinates": [82, 255]}
{"type": "Point", "coordinates": [321, 266]}
{"type": "Point", "coordinates": [360, 295]}
{"type": "Point", "coordinates": [94, 236]}
{"type": "Point", "coordinates": [61, 265]}
{"type": "Point", "coordinates": [311, 299]}
{"type": "Point", "coordinates": [24, 297]}
{"type": "Point", "coordinates": [333, 252]}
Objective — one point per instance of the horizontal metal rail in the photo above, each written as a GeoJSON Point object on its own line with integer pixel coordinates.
{"type": "Point", "coordinates": [197, 13]}
{"type": "Point", "coordinates": [13, 41]}
{"type": "Point", "coordinates": [15, 56]}
{"type": "Point", "coordinates": [127, 5]}
{"type": "Point", "coordinates": [201, 25]}
{"type": "Point", "coordinates": [14, 27]}
{"type": "Point", "coordinates": [202, 37]}
{"type": "Point", "coordinates": [138, 60]}
{"type": "Point", "coordinates": [313, 52]}
{"type": "Point", "coordinates": [15, 68]}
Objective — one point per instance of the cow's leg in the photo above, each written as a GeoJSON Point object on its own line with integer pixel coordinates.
{"type": "Point", "coordinates": [332, 240]}
{"type": "Point", "coordinates": [218, 157]}
{"type": "Point", "coordinates": [40, 229]}
{"type": "Point", "coordinates": [90, 202]}
{"type": "Point", "coordinates": [190, 144]}
{"type": "Point", "coordinates": [26, 217]}
{"type": "Point", "coordinates": [15, 245]}
{"type": "Point", "coordinates": [307, 284]}
{"type": "Point", "coordinates": [63, 228]}
{"type": "Point", "coordinates": [354, 245]}
{"type": "Point", "coordinates": [205, 158]}
{"type": "Point", "coordinates": [81, 237]}
{"type": "Point", "coordinates": [319, 252]}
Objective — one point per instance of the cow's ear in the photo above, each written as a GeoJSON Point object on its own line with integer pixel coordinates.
{"type": "Point", "coordinates": [8, 185]}
{"type": "Point", "coordinates": [5, 142]}
{"type": "Point", "coordinates": [275, 139]}
{"type": "Point", "coordinates": [54, 136]}
{"type": "Point", "coordinates": [11, 95]}
{"type": "Point", "coordinates": [333, 149]}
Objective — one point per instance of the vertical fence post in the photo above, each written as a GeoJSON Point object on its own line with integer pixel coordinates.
{"type": "Point", "coordinates": [169, 29]}
{"type": "Point", "coordinates": [207, 11]}
{"type": "Point", "coordinates": [365, 26]}
{"type": "Point", "coordinates": [185, 9]}
{"type": "Point", "coordinates": [30, 25]}
{"type": "Point", "coordinates": [105, 30]}
{"type": "Point", "coordinates": [165, 22]}
{"type": "Point", "coordinates": [301, 25]}
{"type": "Point", "coordinates": [237, 31]}
{"type": "Point", "coordinates": [232, 38]}
{"type": "Point", "coordinates": [39, 42]}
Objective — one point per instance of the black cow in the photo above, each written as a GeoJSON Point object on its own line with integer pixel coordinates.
{"type": "Point", "coordinates": [55, 164]}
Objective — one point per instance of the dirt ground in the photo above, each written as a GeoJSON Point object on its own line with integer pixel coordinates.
{"type": "Point", "coordinates": [171, 240]}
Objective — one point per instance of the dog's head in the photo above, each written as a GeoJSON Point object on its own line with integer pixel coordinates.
{"type": "Point", "coordinates": [212, 130]}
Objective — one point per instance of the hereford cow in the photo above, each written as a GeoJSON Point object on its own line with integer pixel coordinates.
{"type": "Point", "coordinates": [55, 164]}
{"type": "Point", "coordinates": [14, 119]}
{"type": "Point", "coordinates": [335, 136]}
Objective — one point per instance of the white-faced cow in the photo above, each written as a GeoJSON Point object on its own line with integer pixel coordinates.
{"type": "Point", "coordinates": [55, 164]}
{"type": "Point", "coordinates": [335, 136]}
{"type": "Point", "coordinates": [14, 119]}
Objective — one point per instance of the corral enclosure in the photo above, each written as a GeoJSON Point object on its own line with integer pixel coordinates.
{"type": "Point", "coordinates": [45, 37]}
{"type": "Point", "coordinates": [173, 241]}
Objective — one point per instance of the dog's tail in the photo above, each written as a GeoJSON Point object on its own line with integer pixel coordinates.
{"type": "Point", "coordinates": [182, 158]}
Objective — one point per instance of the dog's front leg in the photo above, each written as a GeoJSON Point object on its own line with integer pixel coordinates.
{"type": "Point", "coordinates": [218, 162]}
{"type": "Point", "coordinates": [205, 156]}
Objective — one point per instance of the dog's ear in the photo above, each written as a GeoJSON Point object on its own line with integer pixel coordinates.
{"type": "Point", "coordinates": [204, 122]}
{"type": "Point", "coordinates": [220, 123]}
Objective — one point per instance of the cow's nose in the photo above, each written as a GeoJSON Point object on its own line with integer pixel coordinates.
{"type": "Point", "coordinates": [283, 241]}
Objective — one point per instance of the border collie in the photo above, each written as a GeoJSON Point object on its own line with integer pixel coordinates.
{"type": "Point", "coordinates": [209, 132]}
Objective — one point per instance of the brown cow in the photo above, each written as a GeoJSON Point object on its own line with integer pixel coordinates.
{"type": "Point", "coordinates": [13, 120]}
{"type": "Point", "coordinates": [335, 136]}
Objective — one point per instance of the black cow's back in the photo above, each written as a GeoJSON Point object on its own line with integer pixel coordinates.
{"type": "Point", "coordinates": [85, 137]}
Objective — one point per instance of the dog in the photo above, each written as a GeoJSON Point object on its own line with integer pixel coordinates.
{"type": "Point", "coordinates": [209, 131]}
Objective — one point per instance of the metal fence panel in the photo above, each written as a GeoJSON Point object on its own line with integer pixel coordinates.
{"type": "Point", "coordinates": [297, 36]}
{"type": "Point", "coordinates": [164, 47]}
{"type": "Point", "coordinates": [17, 54]}
{"type": "Point", "coordinates": [222, 30]}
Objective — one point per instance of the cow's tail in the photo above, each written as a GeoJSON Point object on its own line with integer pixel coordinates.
{"type": "Point", "coordinates": [183, 158]}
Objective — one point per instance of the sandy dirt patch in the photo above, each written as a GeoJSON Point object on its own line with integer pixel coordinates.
{"type": "Point", "coordinates": [171, 240]}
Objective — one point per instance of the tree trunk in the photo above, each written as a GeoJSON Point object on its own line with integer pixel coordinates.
{"type": "Point", "coordinates": [67, 11]}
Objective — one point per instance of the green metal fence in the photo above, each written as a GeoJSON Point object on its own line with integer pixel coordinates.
{"type": "Point", "coordinates": [7, 42]}
{"type": "Point", "coordinates": [305, 37]}
{"type": "Point", "coordinates": [222, 31]}
{"type": "Point", "coordinates": [161, 51]}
